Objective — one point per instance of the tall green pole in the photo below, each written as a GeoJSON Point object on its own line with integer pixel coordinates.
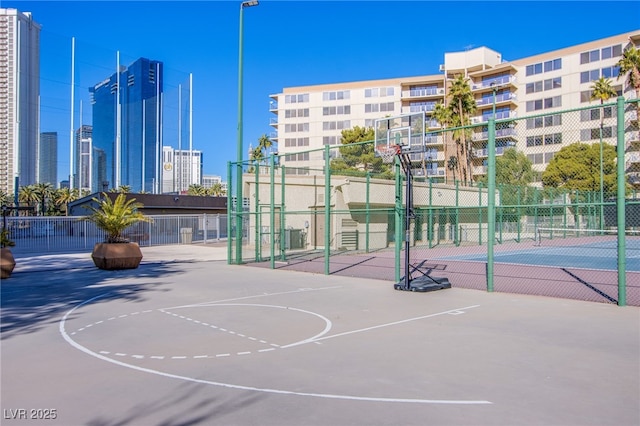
{"type": "Point", "coordinates": [480, 213]}
{"type": "Point", "coordinates": [272, 209]}
{"type": "Point", "coordinates": [398, 218]}
{"type": "Point", "coordinates": [491, 201]}
{"type": "Point", "coordinates": [601, 176]}
{"type": "Point", "coordinates": [283, 236]}
{"type": "Point", "coordinates": [239, 149]}
{"type": "Point", "coordinates": [367, 212]}
{"type": "Point", "coordinates": [430, 213]}
{"type": "Point", "coordinates": [327, 210]}
{"type": "Point", "coordinates": [229, 218]}
{"type": "Point", "coordinates": [258, 218]}
{"type": "Point", "coordinates": [620, 201]}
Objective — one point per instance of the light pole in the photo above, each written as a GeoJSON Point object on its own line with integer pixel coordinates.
{"type": "Point", "coordinates": [239, 198]}
{"type": "Point", "coordinates": [494, 88]}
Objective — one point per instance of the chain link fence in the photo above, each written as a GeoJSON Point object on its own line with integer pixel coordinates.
{"type": "Point", "coordinates": [482, 226]}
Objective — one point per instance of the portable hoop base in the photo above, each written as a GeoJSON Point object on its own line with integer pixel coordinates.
{"type": "Point", "coordinates": [424, 282]}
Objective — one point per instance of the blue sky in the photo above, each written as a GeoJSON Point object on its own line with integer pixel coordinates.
{"type": "Point", "coordinates": [286, 43]}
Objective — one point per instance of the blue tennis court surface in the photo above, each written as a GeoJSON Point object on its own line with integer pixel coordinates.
{"type": "Point", "coordinates": [602, 255]}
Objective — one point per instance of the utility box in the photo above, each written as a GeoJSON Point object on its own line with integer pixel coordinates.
{"type": "Point", "coordinates": [186, 235]}
{"type": "Point", "coordinates": [294, 239]}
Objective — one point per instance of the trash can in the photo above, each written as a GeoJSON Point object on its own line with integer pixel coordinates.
{"type": "Point", "coordinates": [186, 235]}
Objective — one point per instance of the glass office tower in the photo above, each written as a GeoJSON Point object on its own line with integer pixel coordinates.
{"type": "Point", "coordinates": [127, 136]}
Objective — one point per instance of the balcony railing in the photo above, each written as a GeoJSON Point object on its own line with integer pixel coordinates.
{"type": "Point", "coordinates": [499, 98]}
{"type": "Point", "coordinates": [483, 153]}
{"type": "Point", "coordinates": [499, 81]}
{"type": "Point", "coordinates": [500, 133]}
{"type": "Point", "coordinates": [499, 115]}
{"type": "Point", "coordinates": [416, 93]}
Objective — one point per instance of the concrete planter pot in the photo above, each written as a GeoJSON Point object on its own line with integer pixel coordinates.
{"type": "Point", "coordinates": [113, 256]}
{"type": "Point", "coordinates": [7, 263]}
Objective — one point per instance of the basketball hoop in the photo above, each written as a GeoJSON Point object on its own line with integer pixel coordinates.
{"type": "Point", "coordinates": [387, 153]}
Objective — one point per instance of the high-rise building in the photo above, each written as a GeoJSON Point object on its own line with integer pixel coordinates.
{"type": "Point", "coordinates": [19, 93]}
{"type": "Point", "coordinates": [310, 117]}
{"type": "Point", "coordinates": [208, 181]}
{"type": "Point", "coordinates": [127, 136]}
{"type": "Point", "coordinates": [83, 158]}
{"type": "Point", "coordinates": [180, 169]}
{"type": "Point", "coordinates": [48, 158]}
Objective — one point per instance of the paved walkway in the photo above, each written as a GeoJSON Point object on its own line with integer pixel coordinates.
{"type": "Point", "coordinates": [155, 254]}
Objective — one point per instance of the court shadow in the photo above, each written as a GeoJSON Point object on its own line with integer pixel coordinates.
{"type": "Point", "coordinates": [32, 299]}
{"type": "Point", "coordinates": [185, 406]}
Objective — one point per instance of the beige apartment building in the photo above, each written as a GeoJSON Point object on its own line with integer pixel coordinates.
{"type": "Point", "coordinates": [310, 117]}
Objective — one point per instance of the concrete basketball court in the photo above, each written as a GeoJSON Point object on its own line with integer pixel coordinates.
{"type": "Point", "coordinates": [188, 340]}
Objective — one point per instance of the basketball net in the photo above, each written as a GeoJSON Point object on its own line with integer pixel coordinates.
{"type": "Point", "coordinates": [387, 153]}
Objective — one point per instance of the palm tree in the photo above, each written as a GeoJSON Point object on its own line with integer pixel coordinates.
{"type": "Point", "coordinates": [44, 192]}
{"type": "Point", "coordinates": [198, 190]}
{"type": "Point", "coordinates": [462, 104]}
{"type": "Point", "coordinates": [114, 217]}
{"type": "Point", "coordinates": [27, 195]}
{"type": "Point", "coordinates": [216, 190]}
{"type": "Point", "coordinates": [65, 196]}
{"type": "Point", "coordinates": [443, 115]}
{"type": "Point", "coordinates": [259, 153]}
{"type": "Point", "coordinates": [4, 198]}
{"type": "Point", "coordinates": [603, 91]}
{"type": "Point", "coordinates": [629, 63]}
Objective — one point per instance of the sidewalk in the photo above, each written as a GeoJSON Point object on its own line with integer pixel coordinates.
{"type": "Point", "coordinates": [155, 254]}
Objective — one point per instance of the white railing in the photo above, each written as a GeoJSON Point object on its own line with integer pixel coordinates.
{"type": "Point", "coordinates": [63, 234]}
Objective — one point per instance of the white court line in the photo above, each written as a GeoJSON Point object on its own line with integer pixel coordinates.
{"type": "Point", "coordinates": [313, 340]}
{"type": "Point", "coordinates": [241, 387]}
{"type": "Point", "coordinates": [235, 299]}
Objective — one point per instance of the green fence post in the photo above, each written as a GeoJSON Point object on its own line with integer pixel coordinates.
{"type": "Point", "coordinates": [399, 224]}
{"type": "Point", "coordinates": [519, 212]}
{"type": "Point", "coordinates": [272, 208]}
{"type": "Point", "coordinates": [283, 239]}
{"type": "Point", "coordinates": [257, 214]}
{"type": "Point", "coordinates": [479, 213]}
{"type": "Point", "coordinates": [491, 201]}
{"type": "Point", "coordinates": [327, 210]}
{"type": "Point", "coordinates": [535, 210]}
{"type": "Point", "coordinates": [456, 235]}
{"type": "Point", "coordinates": [367, 213]}
{"type": "Point", "coordinates": [565, 208]}
{"type": "Point", "coordinates": [430, 232]}
{"type": "Point", "coordinates": [621, 205]}
{"type": "Point", "coordinates": [239, 213]}
{"type": "Point", "coordinates": [229, 215]}
{"type": "Point", "coordinates": [500, 191]}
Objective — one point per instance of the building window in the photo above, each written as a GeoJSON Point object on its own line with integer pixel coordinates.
{"type": "Point", "coordinates": [330, 140]}
{"type": "Point", "coordinates": [553, 120]}
{"type": "Point", "coordinates": [534, 141]}
{"type": "Point", "coordinates": [378, 92]}
{"type": "Point", "coordinates": [536, 158]}
{"type": "Point", "coordinates": [338, 95]}
{"type": "Point", "coordinates": [552, 65]}
{"type": "Point", "coordinates": [599, 54]}
{"type": "Point", "coordinates": [300, 98]}
{"type": "Point", "coordinates": [337, 110]}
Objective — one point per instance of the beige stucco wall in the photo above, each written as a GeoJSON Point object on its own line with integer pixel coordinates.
{"type": "Point", "coordinates": [304, 207]}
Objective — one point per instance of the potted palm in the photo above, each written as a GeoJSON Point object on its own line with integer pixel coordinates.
{"type": "Point", "coordinates": [114, 217]}
{"type": "Point", "coordinates": [7, 262]}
